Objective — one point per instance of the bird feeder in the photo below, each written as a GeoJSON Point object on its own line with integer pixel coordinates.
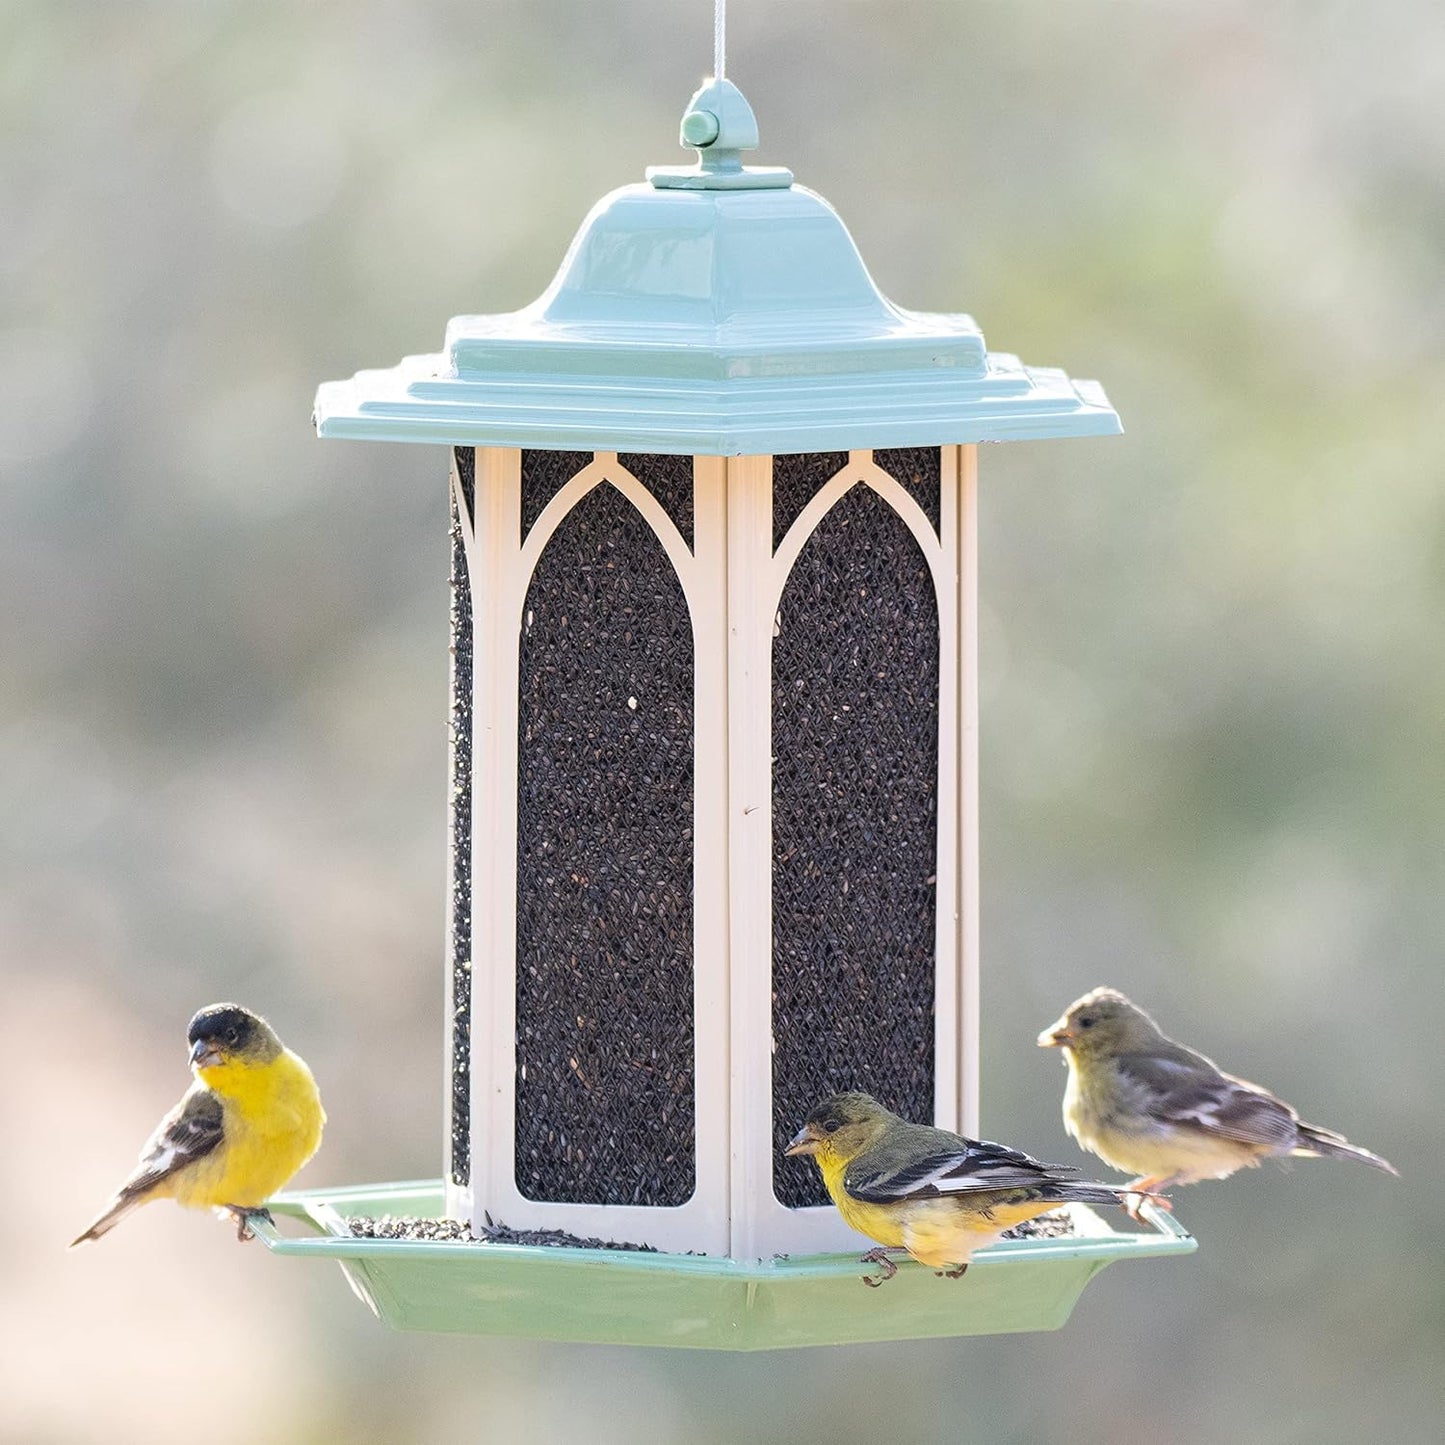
{"type": "Point", "coordinates": [714, 763]}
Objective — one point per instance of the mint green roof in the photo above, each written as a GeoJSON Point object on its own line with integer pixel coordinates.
{"type": "Point", "coordinates": [716, 309]}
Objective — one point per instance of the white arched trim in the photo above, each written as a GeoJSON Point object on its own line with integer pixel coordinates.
{"type": "Point", "coordinates": [605, 468]}
{"type": "Point", "coordinates": [860, 469]}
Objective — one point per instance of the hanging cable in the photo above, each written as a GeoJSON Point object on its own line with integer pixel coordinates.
{"type": "Point", "coordinates": [719, 38]}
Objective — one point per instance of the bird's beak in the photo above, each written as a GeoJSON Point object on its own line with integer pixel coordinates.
{"type": "Point", "coordinates": [805, 1141]}
{"type": "Point", "coordinates": [205, 1053]}
{"type": "Point", "coordinates": [1056, 1035]}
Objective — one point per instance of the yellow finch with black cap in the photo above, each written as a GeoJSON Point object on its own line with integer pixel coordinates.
{"type": "Point", "coordinates": [1158, 1110]}
{"type": "Point", "coordinates": [252, 1118]}
{"type": "Point", "coordinates": [936, 1194]}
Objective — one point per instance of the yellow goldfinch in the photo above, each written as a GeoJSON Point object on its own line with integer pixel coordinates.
{"type": "Point", "coordinates": [936, 1194]}
{"type": "Point", "coordinates": [1152, 1107]}
{"type": "Point", "coordinates": [252, 1118]}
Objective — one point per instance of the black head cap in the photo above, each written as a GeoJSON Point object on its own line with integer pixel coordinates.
{"type": "Point", "coordinates": [235, 1029]}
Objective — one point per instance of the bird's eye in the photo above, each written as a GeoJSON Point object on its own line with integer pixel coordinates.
{"type": "Point", "coordinates": [831, 1127]}
{"type": "Point", "coordinates": [1086, 1023]}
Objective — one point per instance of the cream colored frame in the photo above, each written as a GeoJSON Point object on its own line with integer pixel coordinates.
{"type": "Point", "coordinates": [732, 582]}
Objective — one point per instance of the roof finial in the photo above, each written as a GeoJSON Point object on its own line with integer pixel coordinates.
{"type": "Point", "coordinates": [720, 124]}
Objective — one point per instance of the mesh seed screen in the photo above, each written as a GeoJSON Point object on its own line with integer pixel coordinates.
{"type": "Point", "coordinates": [855, 787]}
{"type": "Point", "coordinates": [669, 479]}
{"type": "Point", "coordinates": [796, 480]}
{"type": "Point", "coordinates": [604, 1086]}
{"type": "Point", "coordinates": [544, 474]}
{"type": "Point", "coordinates": [919, 471]}
{"type": "Point", "coordinates": [466, 459]}
{"type": "Point", "coordinates": [459, 911]}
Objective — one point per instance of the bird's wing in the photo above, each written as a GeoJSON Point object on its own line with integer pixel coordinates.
{"type": "Point", "coordinates": [1189, 1092]}
{"type": "Point", "coordinates": [928, 1162]}
{"type": "Point", "coordinates": [189, 1132]}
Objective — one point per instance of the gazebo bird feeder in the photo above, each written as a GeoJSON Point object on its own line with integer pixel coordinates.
{"type": "Point", "coordinates": [714, 760]}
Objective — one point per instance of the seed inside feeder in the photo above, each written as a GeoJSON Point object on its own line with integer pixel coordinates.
{"type": "Point", "coordinates": [454, 1231]}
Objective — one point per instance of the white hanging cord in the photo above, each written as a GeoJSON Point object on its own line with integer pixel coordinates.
{"type": "Point", "coordinates": [719, 38]}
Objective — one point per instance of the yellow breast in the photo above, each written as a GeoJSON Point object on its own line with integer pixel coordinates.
{"type": "Point", "coordinates": [943, 1233]}
{"type": "Point", "coordinates": [879, 1222]}
{"type": "Point", "coordinates": [271, 1125]}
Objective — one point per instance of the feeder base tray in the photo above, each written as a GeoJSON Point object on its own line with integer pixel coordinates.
{"type": "Point", "coordinates": [632, 1297]}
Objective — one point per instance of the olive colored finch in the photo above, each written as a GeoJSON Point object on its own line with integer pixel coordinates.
{"type": "Point", "coordinates": [933, 1193]}
{"type": "Point", "coordinates": [1162, 1112]}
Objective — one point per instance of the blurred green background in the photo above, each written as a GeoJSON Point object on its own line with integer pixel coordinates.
{"type": "Point", "coordinates": [1214, 687]}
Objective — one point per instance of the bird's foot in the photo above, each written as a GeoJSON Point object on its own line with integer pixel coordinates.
{"type": "Point", "coordinates": [886, 1266]}
{"type": "Point", "coordinates": [1140, 1190]}
{"type": "Point", "coordinates": [957, 1272]}
{"type": "Point", "coordinates": [243, 1217]}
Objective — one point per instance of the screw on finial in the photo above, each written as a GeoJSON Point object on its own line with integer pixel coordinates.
{"type": "Point", "coordinates": [720, 125]}
{"type": "Point", "coordinates": [700, 128]}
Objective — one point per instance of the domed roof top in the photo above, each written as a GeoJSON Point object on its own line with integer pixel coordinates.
{"type": "Point", "coordinates": [716, 309]}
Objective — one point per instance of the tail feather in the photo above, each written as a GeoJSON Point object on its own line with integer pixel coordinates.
{"type": "Point", "coordinates": [1326, 1144]}
{"type": "Point", "coordinates": [1069, 1191]}
{"type": "Point", "coordinates": [109, 1217]}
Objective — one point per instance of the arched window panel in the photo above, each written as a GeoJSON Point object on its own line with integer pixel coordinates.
{"type": "Point", "coordinates": [605, 1106]}
{"type": "Point", "coordinates": [855, 794]}
{"type": "Point", "coordinates": [459, 819]}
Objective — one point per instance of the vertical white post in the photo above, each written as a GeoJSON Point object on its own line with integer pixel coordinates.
{"type": "Point", "coordinates": [968, 872]}
{"type": "Point", "coordinates": [749, 843]}
{"type": "Point", "coordinates": [949, 822]}
{"type": "Point", "coordinates": [711, 925]}
{"type": "Point", "coordinates": [496, 641]}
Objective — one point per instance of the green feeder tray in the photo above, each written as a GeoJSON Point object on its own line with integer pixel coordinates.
{"type": "Point", "coordinates": [692, 1301]}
